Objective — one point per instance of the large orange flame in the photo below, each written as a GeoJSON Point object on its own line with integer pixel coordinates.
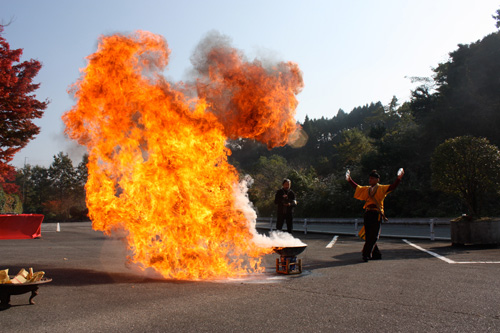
{"type": "Point", "coordinates": [157, 159]}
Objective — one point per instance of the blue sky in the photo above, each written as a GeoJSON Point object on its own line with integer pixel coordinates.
{"type": "Point", "coordinates": [351, 53]}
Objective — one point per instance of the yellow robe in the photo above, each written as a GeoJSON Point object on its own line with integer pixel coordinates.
{"type": "Point", "coordinates": [362, 193]}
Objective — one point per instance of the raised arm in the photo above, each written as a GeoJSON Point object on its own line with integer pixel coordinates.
{"type": "Point", "coordinates": [393, 186]}
{"type": "Point", "coordinates": [353, 184]}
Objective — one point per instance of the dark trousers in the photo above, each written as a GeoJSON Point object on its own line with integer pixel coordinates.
{"type": "Point", "coordinates": [372, 231]}
{"type": "Point", "coordinates": [289, 222]}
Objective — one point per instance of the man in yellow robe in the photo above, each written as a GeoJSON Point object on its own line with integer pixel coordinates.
{"type": "Point", "coordinates": [374, 196]}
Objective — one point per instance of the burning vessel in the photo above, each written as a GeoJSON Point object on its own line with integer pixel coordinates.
{"type": "Point", "coordinates": [288, 263]}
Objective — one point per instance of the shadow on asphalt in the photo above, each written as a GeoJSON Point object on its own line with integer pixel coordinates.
{"type": "Point", "coordinates": [85, 277]}
{"type": "Point", "coordinates": [461, 249]}
{"type": "Point", "coordinates": [354, 258]}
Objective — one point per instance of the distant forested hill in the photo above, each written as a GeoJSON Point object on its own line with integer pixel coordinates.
{"type": "Point", "coordinates": [462, 98]}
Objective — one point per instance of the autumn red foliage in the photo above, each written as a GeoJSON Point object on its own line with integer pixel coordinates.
{"type": "Point", "coordinates": [18, 107]}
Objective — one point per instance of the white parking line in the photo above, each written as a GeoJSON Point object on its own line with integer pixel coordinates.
{"type": "Point", "coordinates": [449, 261]}
{"type": "Point", "coordinates": [330, 245]}
{"type": "Point", "coordinates": [477, 262]}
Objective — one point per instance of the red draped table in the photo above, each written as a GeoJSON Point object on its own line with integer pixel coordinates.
{"type": "Point", "coordinates": [20, 226]}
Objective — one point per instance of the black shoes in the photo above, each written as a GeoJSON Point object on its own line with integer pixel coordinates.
{"type": "Point", "coordinates": [377, 257]}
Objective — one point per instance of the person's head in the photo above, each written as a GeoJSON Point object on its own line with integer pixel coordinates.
{"type": "Point", "coordinates": [373, 178]}
{"type": "Point", "coordinates": [287, 183]}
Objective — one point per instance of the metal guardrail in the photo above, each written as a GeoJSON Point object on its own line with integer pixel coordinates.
{"type": "Point", "coordinates": [358, 222]}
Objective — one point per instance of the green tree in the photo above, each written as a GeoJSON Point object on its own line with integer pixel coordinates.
{"type": "Point", "coordinates": [466, 101]}
{"type": "Point", "coordinates": [82, 172]}
{"type": "Point", "coordinates": [58, 192]}
{"type": "Point", "coordinates": [497, 18]}
{"type": "Point", "coordinates": [354, 144]}
{"type": "Point", "coordinates": [36, 188]}
{"type": "Point", "coordinates": [79, 210]}
{"type": "Point", "coordinates": [62, 175]}
{"type": "Point", "coordinates": [64, 186]}
{"type": "Point", "coordinates": [467, 167]}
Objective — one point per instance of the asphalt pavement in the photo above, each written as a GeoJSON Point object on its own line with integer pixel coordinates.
{"type": "Point", "coordinates": [418, 286]}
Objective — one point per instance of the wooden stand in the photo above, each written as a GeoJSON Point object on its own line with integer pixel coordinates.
{"type": "Point", "coordinates": [288, 265]}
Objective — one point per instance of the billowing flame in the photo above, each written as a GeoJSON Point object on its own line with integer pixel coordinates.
{"type": "Point", "coordinates": [249, 100]}
{"type": "Point", "coordinates": [157, 156]}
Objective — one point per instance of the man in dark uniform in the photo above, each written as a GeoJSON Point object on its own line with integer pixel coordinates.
{"type": "Point", "coordinates": [285, 199]}
{"type": "Point", "coordinates": [374, 196]}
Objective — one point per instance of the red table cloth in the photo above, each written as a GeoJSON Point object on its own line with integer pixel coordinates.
{"type": "Point", "coordinates": [20, 226]}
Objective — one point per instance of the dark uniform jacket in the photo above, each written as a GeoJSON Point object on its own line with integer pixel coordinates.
{"type": "Point", "coordinates": [280, 201]}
